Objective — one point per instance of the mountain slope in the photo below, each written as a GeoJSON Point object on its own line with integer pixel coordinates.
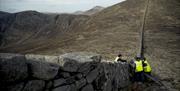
{"type": "Point", "coordinates": [19, 25]}
{"type": "Point", "coordinates": [31, 25]}
{"type": "Point", "coordinates": [162, 39]}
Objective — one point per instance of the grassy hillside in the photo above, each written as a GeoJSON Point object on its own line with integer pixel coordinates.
{"type": "Point", "coordinates": [162, 39]}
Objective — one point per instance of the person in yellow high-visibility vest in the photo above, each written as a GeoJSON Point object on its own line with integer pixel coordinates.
{"type": "Point", "coordinates": [138, 69]}
{"type": "Point", "coordinates": [146, 67]}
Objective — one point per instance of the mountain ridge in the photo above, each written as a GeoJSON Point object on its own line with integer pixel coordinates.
{"type": "Point", "coordinates": [89, 12]}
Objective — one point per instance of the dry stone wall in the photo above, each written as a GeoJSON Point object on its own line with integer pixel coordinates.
{"type": "Point", "coordinates": [69, 72]}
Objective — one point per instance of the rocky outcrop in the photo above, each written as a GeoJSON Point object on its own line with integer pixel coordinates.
{"type": "Point", "coordinates": [68, 72]}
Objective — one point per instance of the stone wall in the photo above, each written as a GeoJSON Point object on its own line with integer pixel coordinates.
{"type": "Point", "coordinates": [68, 72]}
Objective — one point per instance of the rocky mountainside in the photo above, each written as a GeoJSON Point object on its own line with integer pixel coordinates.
{"type": "Point", "coordinates": [28, 26]}
{"type": "Point", "coordinates": [18, 26]}
{"type": "Point", "coordinates": [114, 29]}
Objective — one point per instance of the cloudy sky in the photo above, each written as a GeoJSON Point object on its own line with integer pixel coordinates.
{"type": "Point", "coordinates": [68, 6]}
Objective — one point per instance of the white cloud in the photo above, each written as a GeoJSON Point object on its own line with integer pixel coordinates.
{"type": "Point", "coordinates": [62, 1]}
{"type": "Point", "coordinates": [53, 5]}
{"type": "Point", "coordinates": [48, 1]}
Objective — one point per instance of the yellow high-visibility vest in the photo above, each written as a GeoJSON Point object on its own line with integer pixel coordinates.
{"type": "Point", "coordinates": [139, 66]}
{"type": "Point", "coordinates": [147, 68]}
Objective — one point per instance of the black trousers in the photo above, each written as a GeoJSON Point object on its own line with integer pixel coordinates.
{"type": "Point", "coordinates": [139, 77]}
{"type": "Point", "coordinates": [145, 77]}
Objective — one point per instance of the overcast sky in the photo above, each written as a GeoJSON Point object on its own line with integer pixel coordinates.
{"type": "Point", "coordinates": [67, 6]}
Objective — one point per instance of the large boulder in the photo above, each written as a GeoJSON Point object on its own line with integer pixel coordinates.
{"type": "Point", "coordinates": [34, 85]}
{"type": "Point", "coordinates": [92, 75]}
{"type": "Point", "coordinates": [43, 70]}
{"type": "Point", "coordinates": [44, 58]}
{"type": "Point", "coordinates": [72, 61]}
{"type": "Point", "coordinates": [80, 83]}
{"type": "Point", "coordinates": [88, 87]}
{"type": "Point", "coordinates": [41, 67]}
{"type": "Point", "coordinates": [59, 82]}
{"type": "Point", "coordinates": [65, 88]}
{"type": "Point", "coordinates": [12, 87]}
{"type": "Point", "coordinates": [13, 68]}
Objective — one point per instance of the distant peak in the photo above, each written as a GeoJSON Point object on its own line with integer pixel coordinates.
{"type": "Point", "coordinates": [98, 7]}
{"type": "Point", "coordinates": [90, 11]}
{"type": "Point", "coordinates": [3, 12]}
{"type": "Point", "coordinates": [28, 11]}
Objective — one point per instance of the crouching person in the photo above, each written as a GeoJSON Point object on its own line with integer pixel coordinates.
{"type": "Point", "coordinates": [119, 59]}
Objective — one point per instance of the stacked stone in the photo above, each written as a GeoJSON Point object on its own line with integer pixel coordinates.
{"type": "Point", "coordinates": [69, 72]}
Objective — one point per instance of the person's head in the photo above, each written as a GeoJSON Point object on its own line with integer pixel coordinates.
{"type": "Point", "coordinates": [138, 57]}
{"type": "Point", "coordinates": [119, 55]}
